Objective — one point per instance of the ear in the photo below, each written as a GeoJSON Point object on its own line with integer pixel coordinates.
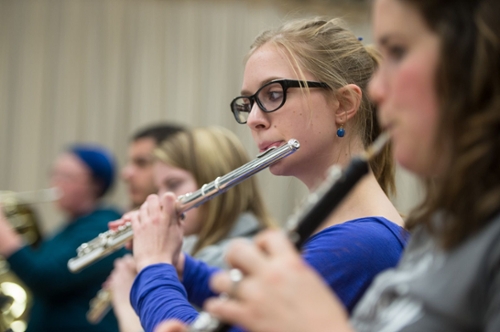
{"type": "Point", "coordinates": [96, 188]}
{"type": "Point", "coordinates": [349, 97]}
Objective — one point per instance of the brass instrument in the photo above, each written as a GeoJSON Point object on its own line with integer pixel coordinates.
{"type": "Point", "coordinates": [15, 298]}
{"type": "Point", "coordinates": [305, 221]}
{"type": "Point", "coordinates": [110, 241]}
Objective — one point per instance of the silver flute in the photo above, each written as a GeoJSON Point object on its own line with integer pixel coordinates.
{"type": "Point", "coordinates": [112, 240]}
{"type": "Point", "coordinates": [319, 205]}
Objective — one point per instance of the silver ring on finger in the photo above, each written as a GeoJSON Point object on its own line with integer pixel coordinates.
{"type": "Point", "coordinates": [235, 276]}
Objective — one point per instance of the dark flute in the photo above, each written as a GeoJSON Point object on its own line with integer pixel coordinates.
{"type": "Point", "coordinates": [112, 240]}
{"type": "Point", "coordinates": [329, 195]}
{"type": "Point", "coordinates": [318, 206]}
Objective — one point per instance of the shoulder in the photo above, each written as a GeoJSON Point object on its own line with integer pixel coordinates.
{"type": "Point", "coordinates": [96, 221]}
{"type": "Point", "coordinates": [213, 255]}
{"type": "Point", "coordinates": [360, 240]}
{"type": "Point", "coordinates": [368, 230]}
{"type": "Point", "coordinates": [247, 225]}
{"type": "Point", "coordinates": [103, 214]}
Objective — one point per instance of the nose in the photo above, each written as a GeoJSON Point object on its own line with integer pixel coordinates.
{"type": "Point", "coordinates": [162, 191]}
{"type": "Point", "coordinates": [377, 88]}
{"type": "Point", "coordinates": [257, 119]}
{"type": "Point", "coordinates": [127, 172]}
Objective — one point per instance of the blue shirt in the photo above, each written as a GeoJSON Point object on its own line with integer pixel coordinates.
{"type": "Point", "coordinates": [347, 255]}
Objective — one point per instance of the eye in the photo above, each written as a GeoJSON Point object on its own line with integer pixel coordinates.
{"type": "Point", "coordinates": [172, 185]}
{"type": "Point", "coordinates": [142, 162]}
{"type": "Point", "coordinates": [271, 94]}
{"type": "Point", "coordinates": [396, 52]}
{"type": "Point", "coordinates": [275, 95]}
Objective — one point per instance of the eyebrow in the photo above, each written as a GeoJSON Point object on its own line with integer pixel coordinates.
{"type": "Point", "coordinates": [384, 40]}
{"type": "Point", "coordinates": [173, 178]}
{"type": "Point", "coordinates": [246, 93]}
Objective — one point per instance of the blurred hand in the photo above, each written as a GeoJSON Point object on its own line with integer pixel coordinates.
{"type": "Point", "coordinates": [157, 232]}
{"type": "Point", "coordinates": [119, 283]}
{"type": "Point", "coordinates": [10, 241]}
{"type": "Point", "coordinates": [279, 292]}
{"type": "Point", "coordinates": [126, 218]}
{"type": "Point", "coordinates": [171, 326]}
{"type": "Point", "coordinates": [121, 279]}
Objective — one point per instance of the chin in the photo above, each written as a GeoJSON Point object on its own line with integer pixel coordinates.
{"type": "Point", "coordinates": [279, 169]}
{"type": "Point", "coordinates": [411, 164]}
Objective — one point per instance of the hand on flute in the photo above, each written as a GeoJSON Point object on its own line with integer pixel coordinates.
{"type": "Point", "coordinates": [126, 218]}
{"type": "Point", "coordinates": [158, 232]}
{"type": "Point", "coordinates": [279, 291]}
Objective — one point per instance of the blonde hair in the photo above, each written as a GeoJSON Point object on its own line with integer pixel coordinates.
{"type": "Point", "coordinates": [208, 153]}
{"type": "Point", "coordinates": [335, 56]}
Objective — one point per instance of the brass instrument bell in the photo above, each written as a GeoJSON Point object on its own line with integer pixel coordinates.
{"type": "Point", "coordinates": [15, 297]}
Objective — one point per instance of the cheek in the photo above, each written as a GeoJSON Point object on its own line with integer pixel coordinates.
{"type": "Point", "coordinates": [187, 187]}
{"type": "Point", "coordinates": [418, 108]}
{"type": "Point", "coordinates": [192, 222]}
{"type": "Point", "coordinates": [415, 88]}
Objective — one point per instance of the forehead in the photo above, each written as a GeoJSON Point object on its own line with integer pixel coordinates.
{"type": "Point", "coordinates": [70, 163]}
{"type": "Point", "coordinates": [395, 17]}
{"type": "Point", "coordinates": [166, 171]}
{"type": "Point", "coordinates": [266, 63]}
{"type": "Point", "coordinates": [142, 147]}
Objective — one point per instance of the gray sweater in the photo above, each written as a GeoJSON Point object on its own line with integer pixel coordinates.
{"type": "Point", "coordinates": [436, 290]}
{"type": "Point", "coordinates": [246, 226]}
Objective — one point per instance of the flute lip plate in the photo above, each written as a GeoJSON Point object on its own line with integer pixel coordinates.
{"type": "Point", "coordinates": [294, 143]}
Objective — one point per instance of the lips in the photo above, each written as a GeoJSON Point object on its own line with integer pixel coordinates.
{"type": "Point", "coordinates": [269, 144]}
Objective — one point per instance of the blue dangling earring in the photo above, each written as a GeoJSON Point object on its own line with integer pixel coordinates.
{"type": "Point", "coordinates": [341, 131]}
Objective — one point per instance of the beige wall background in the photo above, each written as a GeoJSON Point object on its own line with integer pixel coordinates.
{"type": "Point", "coordinates": [97, 70]}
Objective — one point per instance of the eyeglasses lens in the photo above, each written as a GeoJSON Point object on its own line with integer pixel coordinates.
{"type": "Point", "coordinates": [270, 97]}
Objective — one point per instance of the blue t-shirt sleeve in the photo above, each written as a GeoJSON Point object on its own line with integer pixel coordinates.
{"type": "Point", "coordinates": [196, 279]}
{"type": "Point", "coordinates": [158, 295]}
{"type": "Point", "coordinates": [348, 256]}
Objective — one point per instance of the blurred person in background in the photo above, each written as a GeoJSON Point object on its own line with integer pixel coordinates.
{"type": "Point", "coordinates": [82, 174]}
{"type": "Point", "coordinates": [183, 164]}
{"type": "Point", "coordinates": [138, 172]}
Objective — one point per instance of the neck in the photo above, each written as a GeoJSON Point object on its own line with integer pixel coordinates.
{"type": "Point", "coordinates": [314, 172]}
{"type": "Point", "coordinates": [366, 199]}
{"type": "Point", "coordinates": [84, 208]}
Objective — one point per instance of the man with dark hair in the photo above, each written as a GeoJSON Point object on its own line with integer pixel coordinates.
{"type": "Point", "coordinates": [138, 172]}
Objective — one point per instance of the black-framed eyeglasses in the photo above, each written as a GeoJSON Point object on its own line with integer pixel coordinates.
{"type": "Point", "coordinates": [270, 97]}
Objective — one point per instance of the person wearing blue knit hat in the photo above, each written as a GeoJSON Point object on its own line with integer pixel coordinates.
{"type": "Point", "coordinates": [83, 174]}
{"type": "Point", "coordinates": [100, 163]}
